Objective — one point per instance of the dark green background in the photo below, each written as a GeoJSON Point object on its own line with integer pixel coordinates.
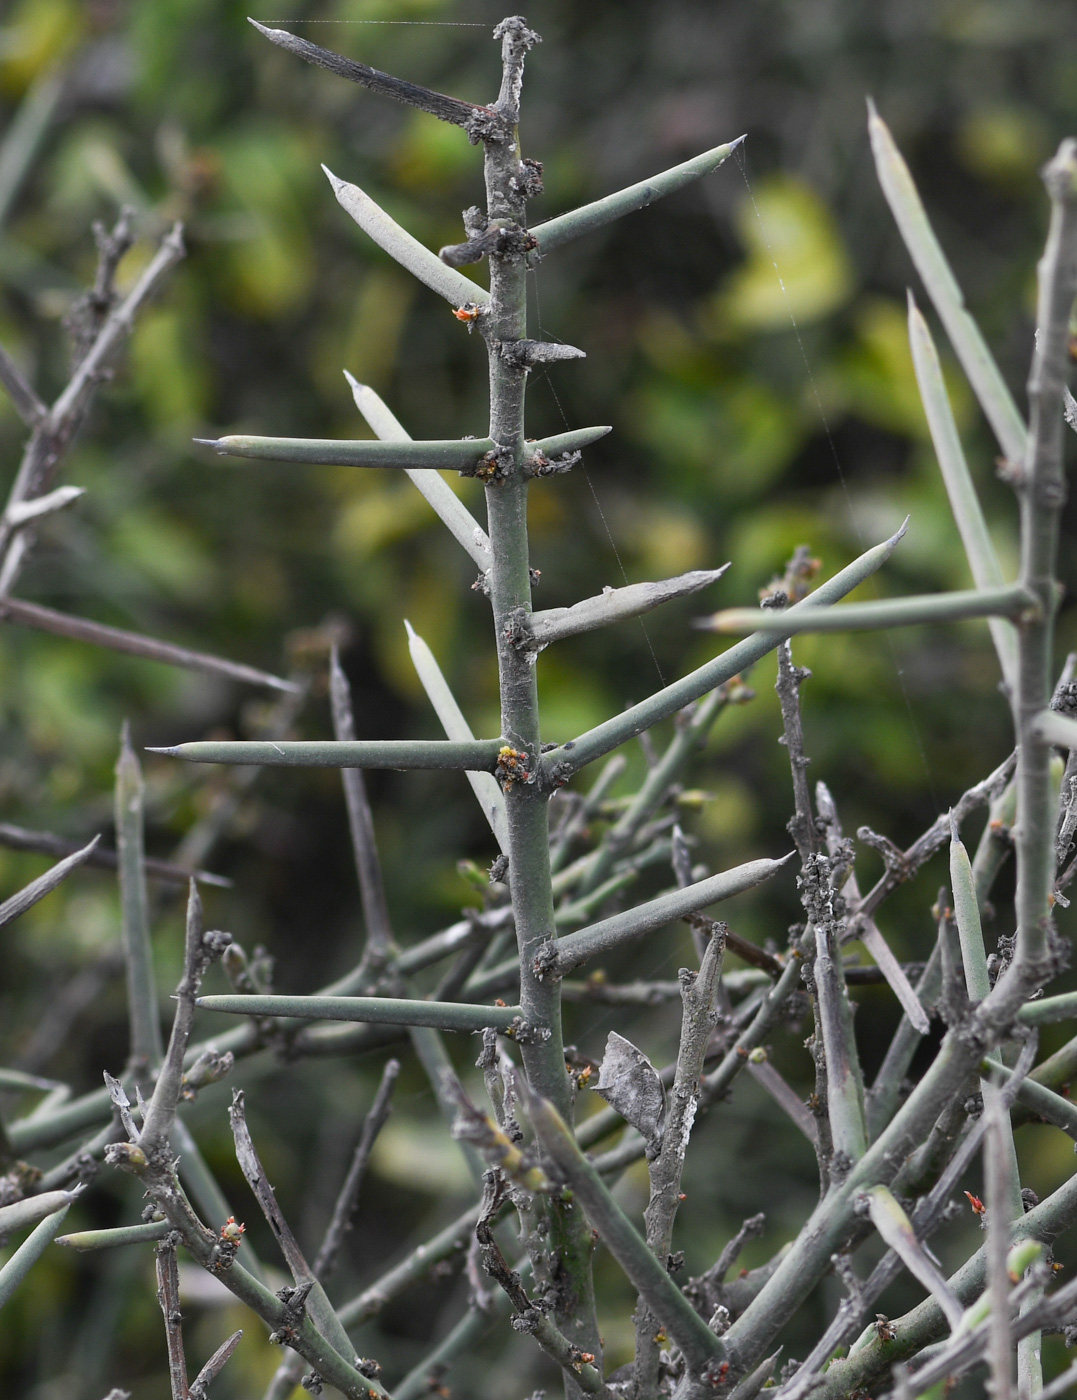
{"type": "Point", "coordinates": [746, 338]}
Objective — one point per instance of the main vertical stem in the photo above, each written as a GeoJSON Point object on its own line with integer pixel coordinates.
{"type": "Point", "coordinates": [510, 591]}
{"type": "Point", "coordinates": [1042, 493]}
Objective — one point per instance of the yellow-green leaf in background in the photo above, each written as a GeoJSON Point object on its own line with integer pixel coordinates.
{"type": "Point", "coordinates": [1004, 144]}
{"type": "Point", "coordinates": [268, 173]}
{"type": "Point", "coordinates": [797, 266]}
{"type": "Point", "coordinates": [169, 375]}
{"type": "Point", "coordinates": [38, 34]}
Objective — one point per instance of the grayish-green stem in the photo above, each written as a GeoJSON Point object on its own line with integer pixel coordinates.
{"type": "Point", "coordinates": [695, 1339]}
{"type": "Point", "coordinates": [577, 222]}
{"type": "Point", "coordinates": [611, 605]}
{"type": "Point", "coordinates": [526, 810]}
{"type": "Point", "coordinates": [964, 502]}
{"type": "Point", "coordinates": [393, 1011]}
{"type": "Point", "coordinates": [965, 336]}
{"type": "Point", "coordinates": [86, 1241]}
{"type": "Point", "coordinates": [14, 1271]}
{"type": "Point", "coordinates": [575, 949]}
{"type": "Point", "coordinates": [1006, 601]}
{"type": "Point", "coordinates": [1041, 494]}
{"type": "Point", "coordinates": [457, 289]}
{"type": "Point", "coordinates": [480, 755]}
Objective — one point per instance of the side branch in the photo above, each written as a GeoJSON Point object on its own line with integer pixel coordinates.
{"type": "Point", "coordinates": [574, 949]}
{"type": "Point", "coordinates": [479, 756]}
{"type": "Point", "coordinates": [554, 232]}
{"type": "Point", "coordinates": [611, 605]}
{"type": "Point", "coordinates": [451, 511]}
{"type": "Point", "coordinates": [457, 289]}
{"type": "Point", "coordinates": [80, 629]}
{"type": "Point", "coordinates": [1011, 601]}
{"type": "Point", "coordinates": [576, 754]}
{"type": "Point", "coordinates": [386, 1011]}
{"type": "Point", "coordinates": [446, 109]}
{"type": "Point", "coordinates": [451, 454]}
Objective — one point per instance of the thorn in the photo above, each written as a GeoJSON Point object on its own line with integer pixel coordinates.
{"type": "Point", "coordinates": [174, 750]}
{"type": "Point", "coordinates": [412, 634]}
{"type": "Point", "coordinates": [215, 443]}
{"type": "Point", "coordinates": [873, 111]}
{"type": "Point", "coordinates": [738, 142]}
{"type": "Point", "coordinates": [355, 385]}
{"type": "Point", "coordinates": [899, 534]}
{"type": "Point", "coordinates": [334, 180]}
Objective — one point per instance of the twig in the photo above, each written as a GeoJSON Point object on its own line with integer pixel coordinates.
{"type": "Point", "coordinates": [37, 889]}
{"type": "Point", "coordinates": [554, 232]}
{"type": "Point", "coordinates": [446, 109]}
{"type": "Point", "coordinates": [18, 838]}
{"type": "Point", "coordinates": [697, 1024]}
{"type": "Point", "coordinates": [392, 1011]}
{"type": "Point", "coordinates": [88, 1241]}
{"type": "Point", "coordinates": [998, 1155]}
{"type": "Point", "coordinates": [1009, 600]}
{"type": "Point", "coordinates": [200, 949]}
{"type": "Point", "coordinates": [867, 929]}
{"type": "Point", "coordinates": [574, 949]}
{"type": "Point", "coordinates": [925, 1219]}
{"type": "Point", "coordinates": [169, 1300]}
{"type": "Point", "coordinates": [379, 931]}
{"type": "Point", "coordinates": [611, 605]}
{"type": "Point", "coordinates": [427, 267]}
{"type": "Point", "coordinates": [570, 757]}
{"type": "Point", "coordinates": [480, 756]}
{"type": "Point", "coordinates": [964, 502]}
{"type": "Point", "coordinates": [213, 1367]}
{"type": "Point", "coordinates": [313, 1295]}
{"type": "Point", "coordinates": [21, 392]}
{"type": "Point", "coordinates": [80, 629]}
{"type": "Point", "coordinates": [487, 792]}
{"type": "Point", "coordinates": [54, 434]}
{"type": "Point", "coordinates": [695, 1339]}
{"type": "Point", "coordinates": [326, 1258]}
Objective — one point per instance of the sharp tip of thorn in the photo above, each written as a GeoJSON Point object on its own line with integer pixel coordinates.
{"type": "Point", "coordinates": [173, 750]}
{"type": "Point", "coordinates": [411, 630]}
{"type": "Point", "coordinates": [738, 141]}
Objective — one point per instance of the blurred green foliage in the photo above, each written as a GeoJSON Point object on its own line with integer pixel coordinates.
{"type": "Point", "coordinates": [746, 337]}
